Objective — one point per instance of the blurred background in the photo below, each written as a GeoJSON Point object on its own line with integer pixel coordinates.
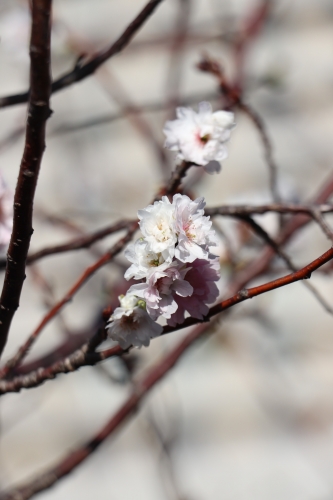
{"type": "Point", "coordinates": [247, 414]}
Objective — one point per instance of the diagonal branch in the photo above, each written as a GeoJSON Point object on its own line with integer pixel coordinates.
{"type": "Point", "coordinates": [143, 386]}
{"type": "Point", "coordinates": [84, 70]}
{"type": "Point", "coordinates": [284, 208]}
{"type": "Point", "coordinates": [84, 356]}
{"type": "Point", "coordinates": [23, 350]}
{"type": "Point", "coordinates": [38, 113]}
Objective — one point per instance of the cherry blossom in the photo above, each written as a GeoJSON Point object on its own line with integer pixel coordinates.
{"type": "Point", "coordinates": [157, 226]}
{"type": "Point", "coordinates": [200, 137]}
{"type": "Point", "coordinates": [202, 275]}
{"type": "Point", "coordinates": [195, 235]}
{"type": "Point", "coordinates": [143, 259]}
{"type": "Point", "coordinates": [161, 287]}
{"type": "Point", "coordinates": [130, 324]}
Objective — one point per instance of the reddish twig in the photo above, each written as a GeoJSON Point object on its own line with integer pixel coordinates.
{"type": "Point", "coordinates": [23, 350]}
{"type": "Point", "coordinates": [83, 356]}
{"type": "Point", "coordinates": [38, 113]}
{"type": "Point", "coordinates": [260, 265]}
{"type": "Point", "coordinates": [244, 294]}
{"type": "Point", "coordinates": [142, 387]}
{"type": "Point", "coordinates": [86, 69]}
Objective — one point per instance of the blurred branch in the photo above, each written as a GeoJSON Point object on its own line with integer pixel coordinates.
{"type": "Point", "coordinates": [316, 214]}
{"type": "Point", "coordinates": [175, 180]}
{"type": "Point", "coordinates": [261, 264]}
{"type": "Point", "coordinates": [252, 27]}
{"type": "Point", "coordinates": [234, 99]}
{"type": "Point", "coordinates": [286, 259]}
{"type": "Point", "coordinates": [178, 42]}
{"type": "Point", "coordinates": [81, 357]}
{"type": "Point", "coordinates": [38, 113]}
{"type": "Point", "coordinates": [144, 385]}
{"type": "Point", "coordinates": [285, 208]}
{"type": "Point", "coordinates": [85, 69]}
{"type": "Point", "coordinates": [134, 114]}
{"type": "Point", "coordinates": [23, 350]}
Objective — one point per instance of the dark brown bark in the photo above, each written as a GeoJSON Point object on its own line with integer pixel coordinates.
{"type": "Point", "coordinates": [38, 113]}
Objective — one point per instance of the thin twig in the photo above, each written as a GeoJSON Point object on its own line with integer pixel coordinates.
{"type": "Point", "coordinates": [268, 149]}
{"type": "Point", "coordinates": [277, 249]}
{"type": "Point", "coordinates": [178, 42]}
{"type": "Point", "coordinates": [143, 386]}
{"type": "Point", "coordinates": [86, 69]}
{"type": "Point", "coordinates": [175, 180]}
{"type": "Point", "coordinates": [76, 243]}
{"type": "Point", "coordinates": [261, 263]}
{"type": "Point", "coordinates": [316, 214]}
{"type": "Point", "coordinates": [284, 208]}
{"type": "Point", "coordinates": [135, 116]}
{"type": "Point", "coordinates": [38, 113]}
{"type": "Point", "coordinates": [234, 99]}
{"type": "Point", "coordinates": [24, 348]}
{"type": "Point", "coordinates": [82, 358]}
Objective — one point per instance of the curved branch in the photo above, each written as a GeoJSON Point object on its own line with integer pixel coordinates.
{"type": "Point", "coordinates": [83, 356]}
{"type": "Point", "coordinates": [23, 350]}
{"type": "Point", "coordinates": [76, 457]}
{"type": "Point", "coordinates": [81, 71]}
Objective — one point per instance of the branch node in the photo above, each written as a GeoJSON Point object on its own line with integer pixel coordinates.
{"type": "Point", "coordinates": [243, 294]}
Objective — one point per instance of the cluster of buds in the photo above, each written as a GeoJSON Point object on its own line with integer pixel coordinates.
{"type": "Point", "coordinates": [173, 260]}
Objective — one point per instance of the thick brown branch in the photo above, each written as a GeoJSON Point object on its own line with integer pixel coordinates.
{"type": "Point", "coordinates": [82, 71]}
{"type": "Point", "coordinates": [38, 113]}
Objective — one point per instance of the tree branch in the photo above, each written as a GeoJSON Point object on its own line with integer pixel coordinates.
{"type": "Point", "coordinates": [82, 71]}
{"type": "Point", "coordinates": [24, 348]}
{"type": "Point", "coordinates": [143, 386]}
{"type": "Point", "coordinates": [38, 113]}
{"type": "Point", "coordinates": [84, 356]}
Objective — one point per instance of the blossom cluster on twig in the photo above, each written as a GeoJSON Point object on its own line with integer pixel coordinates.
{"type": "Point", "coordinates": [176, 269]}
{"type": "Point", "coordinates": [173, 259]}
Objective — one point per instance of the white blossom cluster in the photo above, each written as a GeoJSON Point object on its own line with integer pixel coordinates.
{"type": "Point", "coordinates": [200, 137]}
{"type": "Point", "coordinates": [175, 268]}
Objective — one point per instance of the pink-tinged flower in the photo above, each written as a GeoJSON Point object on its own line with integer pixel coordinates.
{"type": "Point", "coordinates": [158, 228]}
{"type": "Point", "coordinates": [6, 214]}
{"type": "Point", "coordinates": [162, 286]}
{"type": "Point", "coordinates": [143, 260]}
{"type": "Point", "coordinates": [195, 235]}
{"type": "Point", "coordinates": [130, 324]}
{"type": "Point", "coordinates": [200, 137]}
{"type": "Point", "coordinates": [201, 275]}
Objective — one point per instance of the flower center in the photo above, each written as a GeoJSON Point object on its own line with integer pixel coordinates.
{"type": "Point", "coordinates": [205, 138]}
